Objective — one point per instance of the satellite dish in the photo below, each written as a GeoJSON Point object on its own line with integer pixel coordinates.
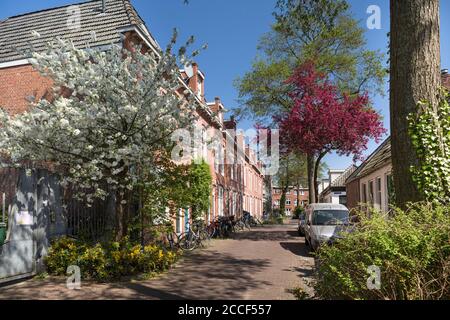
{"type": "Point", "coordinates": [189, 71]}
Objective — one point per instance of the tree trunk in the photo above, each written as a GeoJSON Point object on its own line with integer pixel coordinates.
{"type": "Point", "coordinates": [298, 195]}
{"type": "Point", "coordinates": [316, 172]}
{"type": "Point", "coordinates": [414, 76]}
{"type": "Point", "coordinates": [269, 203]}
{"type": "Point", "coordinates": [122, 215]}
{"type": "Point", "coordinates": [311, 181]}
{"type": "Point", "coordinates": [283, 202]}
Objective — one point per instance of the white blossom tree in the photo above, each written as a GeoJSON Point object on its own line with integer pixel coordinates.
{"type": "Point", "coordinates": [111, 113]}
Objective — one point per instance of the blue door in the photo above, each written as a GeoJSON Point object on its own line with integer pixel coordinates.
{"type": "Point", "coordinates": [186, 220]}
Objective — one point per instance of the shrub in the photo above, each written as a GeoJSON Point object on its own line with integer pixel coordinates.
{"type": "Point", "coordinates": [411, 248]}
{"type": "Point", "coordinates": [274, 220]}
{"type": "Point", "coordinates": [298, 212]}
{"type": "Point", "coordinates": [107, 261]}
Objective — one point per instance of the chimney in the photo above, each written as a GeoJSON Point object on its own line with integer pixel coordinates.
{"type": "Point", "coordinates": [240, 140]}
{"type": "Point", "coordinates": [193, 81]}
{"type": "Point", "coordinates": [230, 124]}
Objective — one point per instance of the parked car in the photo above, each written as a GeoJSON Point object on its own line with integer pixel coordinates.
{"type": "Point", "coordinates": [324, 223]}
{"type": "Point", "coordinates": [301, 224]}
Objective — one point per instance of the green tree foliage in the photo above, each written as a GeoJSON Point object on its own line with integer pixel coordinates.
{"type": "Point", "coordinates": [199, 188]}
{"type": "Point", "coordinates": [292, 173]}
{"type": "Point", "coordinates": [176, 187]}
{"type": "Point", "coordinates": [321, 31]}
{"type": "Point", "coordinates": [430, 135]}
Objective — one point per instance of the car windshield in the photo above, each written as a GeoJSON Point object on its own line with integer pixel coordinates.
{"type": "Point", "coordinates": [330, 217]}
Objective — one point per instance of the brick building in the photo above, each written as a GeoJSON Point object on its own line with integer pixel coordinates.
{"type": "Point", "coordinates": [237, 185]}
{"type": "Point", "coordinates": [294, 198]}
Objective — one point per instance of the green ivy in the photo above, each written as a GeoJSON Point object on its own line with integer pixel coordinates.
{"type": "Point", "coordinates": [199, 191]}
{"type": "Point", "coordinates": [430, 135]}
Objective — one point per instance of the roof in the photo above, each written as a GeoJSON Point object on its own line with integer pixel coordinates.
{"type": "Point", "coordinates": [378, 159]}
{"type": "Point", "coordinates": [327, 206]}
{"type": "Point", "coordinates": [340, 181]}
{"type": "Point", "coordinates": [96, 28]}
{"type": "Point", "coordinates": [291, 187]}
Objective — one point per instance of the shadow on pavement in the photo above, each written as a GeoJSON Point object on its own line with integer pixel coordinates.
{"type": "Point", "coordinates": [265, 234]}
{"type": "Point", "coordinates": [202, 275]}
{"type": "Point", "coordinates": [297, 248]}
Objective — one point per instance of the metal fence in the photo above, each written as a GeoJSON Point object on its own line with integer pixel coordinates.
{"type": "Point", "coordinates": [87, 222]}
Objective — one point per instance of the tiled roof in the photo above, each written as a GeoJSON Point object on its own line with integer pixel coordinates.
{"type": "Point", "coordinates": [97, 29]}
{"type": "Point", "coordinates": [340, 181]}
{"type": "Point", "coordinates": [380, 157]}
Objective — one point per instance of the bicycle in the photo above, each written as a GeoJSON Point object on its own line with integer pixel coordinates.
{"type": "Point", "coordinates": [194, 238]}
{"type": "Point", "coordinates": [170, 241]}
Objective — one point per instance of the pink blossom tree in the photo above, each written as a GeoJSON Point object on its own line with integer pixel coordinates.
{"type": "Point", "coordinates": [323, 119]}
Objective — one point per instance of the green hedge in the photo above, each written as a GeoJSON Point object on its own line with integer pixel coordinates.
{"type": "Point", "coordinates": [412, 250]}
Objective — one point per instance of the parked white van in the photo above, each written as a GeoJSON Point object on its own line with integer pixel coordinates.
{"type": "Point", "coordinates": [324, 222]}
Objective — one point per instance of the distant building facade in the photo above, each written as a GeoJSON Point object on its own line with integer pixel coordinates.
{"type": "Point", "coordinates": [371, 185]}
{"type": "Point", "coordinates": [295, 197]}
{"type": "Point", "coordinates": [333, 189]}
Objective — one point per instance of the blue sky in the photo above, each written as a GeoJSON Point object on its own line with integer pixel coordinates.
{"type": "Point", "coordinates": [231, 28]}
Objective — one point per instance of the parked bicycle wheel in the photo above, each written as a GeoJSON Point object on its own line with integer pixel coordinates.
{"type": "Point", "coordinates": [240, 226]}
{"type": "Point", "coordinates": [204, 239]}
{"type": "Point", "coordinates": [188, 241]}
{"type": "Point", "coordinates": [212, 230]}
{"type": "Point", "coordinates": [173, 240]}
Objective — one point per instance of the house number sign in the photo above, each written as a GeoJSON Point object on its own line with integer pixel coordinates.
{"type": "Point", "coordinates": [24, 218]}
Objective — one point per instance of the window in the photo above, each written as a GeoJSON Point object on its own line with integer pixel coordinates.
{"type": "Point", "coordinates": [288, 202]}
{"type": "Point", "coordinates": [220, 206]}
{"type": "Point", "coordinates": [214, 203]}
{"type": "Point", "coordinates": [364, 193]}
{"type": "Point", "coordinates": [296, 202]}
{"type": "Point", "coordinates": [330, 217]}
{"type": "Point", "coordinates": [389, 189]}
{"type": "Point", "coordinates": [204, 144]}
{"type": "Point", "coordinates": [378, 193]}
{"type": "Point", "coordinates": [216, 163]}
{"type": "Point", "coordinates": [371, 193]}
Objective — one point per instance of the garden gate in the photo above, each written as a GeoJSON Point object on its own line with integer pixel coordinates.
{"type": "Point", "coordinates": [35, 216]}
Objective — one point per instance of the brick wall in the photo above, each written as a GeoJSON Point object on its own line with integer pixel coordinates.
{"type": "Point", "coordinates": [353, 194]}
{"type": "Point", "coordinates": [446, 80]}
{"type": "Point", "coordinates": [19, 83]}
{"type": "Point", "coordinates": [291, 197]}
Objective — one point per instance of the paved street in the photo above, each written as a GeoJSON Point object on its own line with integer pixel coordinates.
{"type": "Point", "coordinates": [260, 264]}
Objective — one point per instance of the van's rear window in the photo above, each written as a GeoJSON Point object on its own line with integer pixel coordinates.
{"type": "Point", "coordinates": [330, 217]}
